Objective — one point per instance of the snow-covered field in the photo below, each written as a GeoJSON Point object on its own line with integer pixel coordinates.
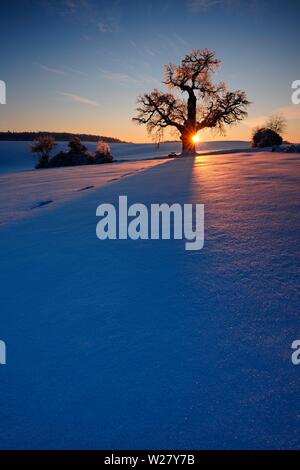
{"type": "Point", "coordinates": [24, 193]}
{"type": "Point", "coordinates": [140, 344]}
{"type": "Point", "coordinates": [15, 156]}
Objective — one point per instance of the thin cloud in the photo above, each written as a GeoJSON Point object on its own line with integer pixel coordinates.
{"type": "Point", "coordinates": [79, 99]}
{"type": "Point", "coordinates": [70, 4]}
{"type": "Point", "coordinates": [172, 41]}
{"type": "Point", "coordinates": [65, 7]}
{"type": "Point", "coordinates": [62, 72]}
{"type": "Point", "coordinates": [52, 70]}
{"type": "Point", "coordinates": [150, 51]}
{"type": "Point", "coordinates": [117, 76]}
{"type": "Point", "coordinates": [105, 19]}
{"type": "Point", "coordinates": [78, 72]}
{"type": "Point", "coordinates": [197, 5]}
{"type": "Point", "coordinates": [181, 40]}
{"type": "Point", "coordinates": [105, 27]}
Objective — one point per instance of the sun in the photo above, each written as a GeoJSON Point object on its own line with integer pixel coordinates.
{"type": "Point", "coordinates": [196, 138]}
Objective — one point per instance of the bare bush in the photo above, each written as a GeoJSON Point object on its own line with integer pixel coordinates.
{"type": "Point", "coordinates": [277, 123]}
{"type": "Point", "coordinates": [43, 146]}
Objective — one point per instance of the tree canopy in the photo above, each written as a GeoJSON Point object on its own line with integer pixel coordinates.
{"type": "Point", "coordinates": [208, 105]}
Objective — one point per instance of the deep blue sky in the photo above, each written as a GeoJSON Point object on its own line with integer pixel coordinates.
{"type": "Point", "coordinates": [78, 65]}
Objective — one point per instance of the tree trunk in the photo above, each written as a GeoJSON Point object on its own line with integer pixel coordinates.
{"type": "Point", "coordinates": [43, 162]}
{"type": "Point", "coordinates": [188, 146]}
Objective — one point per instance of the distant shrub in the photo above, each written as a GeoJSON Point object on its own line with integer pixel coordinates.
{"type": "Point", "coordinates": [103, 153]}
{"type": "Point", "coordinates": [64, 158]}
{"type": "Point", "coordinates": [76, 146]}
{"type": "Point", "coordinates": [43, 146]}
{"type": "Point", "coordinates": [90, 154]}
{"type": "Point", "coordinates": [265, 137]}
{"type": "Point", "coordinates": [103, 148]}
{"type": "Point", "coordinates": [78, 154]}
{"type": "Point", "coordinates": [277, 123]}
{"type": "Point", "coordinates": [293, 148]}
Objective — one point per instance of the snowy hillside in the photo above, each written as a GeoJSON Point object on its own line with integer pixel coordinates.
{"type": "Point", "coordinates": [139, 344]}
{"type": "Point", "coordinates": [23, 193]}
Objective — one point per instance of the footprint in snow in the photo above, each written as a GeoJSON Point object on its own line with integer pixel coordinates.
{"type": "Point", "coordinates": [41, 204]}
{"type": "Point", "coordinates": [86, 187]}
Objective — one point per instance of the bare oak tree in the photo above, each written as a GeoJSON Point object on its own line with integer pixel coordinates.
{"type": "Point", "coordinates": [277, 123]}
{"type": "Point", "coordinates": [208, 105]}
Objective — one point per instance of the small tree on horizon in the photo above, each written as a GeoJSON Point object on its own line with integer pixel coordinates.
{"type": "Point", "coordinates": [277, 123]}
{"type": "Point", "coordinates": [103, 148]}
{"type": "Point", "coordinates": [76, 146]}
{"type": "Point", "coordinates": [208, 105]}
{"type": "Point", "coordinates": [43, 146]}
{"type": "Point", "coordinates": [269, 134]}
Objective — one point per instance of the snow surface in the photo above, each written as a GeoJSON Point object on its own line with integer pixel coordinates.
{"type": "Point", "coordinates": [141, 344]}
{"type": "Point", "coordinates": [22, 193]}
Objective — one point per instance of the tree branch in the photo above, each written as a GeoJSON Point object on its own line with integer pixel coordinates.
{"type": "Point", "coordinates": [160, 109]}
{"type": "Point", "coordinates": [224, 108]}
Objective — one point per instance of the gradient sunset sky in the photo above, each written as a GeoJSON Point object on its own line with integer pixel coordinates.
{"type": "Point", "coordinates": [79, 65]}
